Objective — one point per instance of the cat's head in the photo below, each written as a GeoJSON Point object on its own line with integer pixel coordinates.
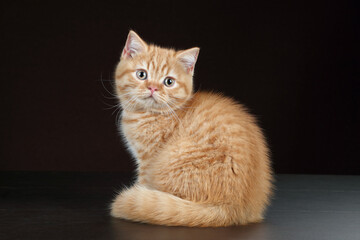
{"type": "Point", "coordinates": [150, 78]}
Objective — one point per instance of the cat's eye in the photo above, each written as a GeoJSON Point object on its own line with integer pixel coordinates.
{"type": "Point", "coordinates": [169, 82]}
{"type": "Point", "coordinates": [141, 74]}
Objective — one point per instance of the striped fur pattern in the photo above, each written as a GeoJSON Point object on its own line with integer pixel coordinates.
{"type": "Point", "coordinates": [201, 158]}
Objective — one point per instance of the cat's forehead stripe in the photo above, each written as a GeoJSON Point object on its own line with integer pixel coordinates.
{"type": "Point", "coordinates": [156, 65]}
{"type": "Point", "coordinates": [142, 65]}
{"type": "Point", "coordinates": [163, 66]}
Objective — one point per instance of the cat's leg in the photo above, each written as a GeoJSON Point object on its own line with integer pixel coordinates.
{"type": "Point", "coordinates": [211, 190]}
{"type": "Point", "coordinates": [214, 177]}
{"type": "Point", "coordinates": [144, 160]}
{"type": "Point", "coordinates": [143, 176]}
{"type": "Point", "coordinates": [203, 179]}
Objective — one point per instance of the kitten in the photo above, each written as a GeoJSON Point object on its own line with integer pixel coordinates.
{"type": "Point", "coordinates": [201, 159]}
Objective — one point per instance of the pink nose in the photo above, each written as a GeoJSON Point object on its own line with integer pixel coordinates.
{"type": "Point", "coordinates": [152, 89]}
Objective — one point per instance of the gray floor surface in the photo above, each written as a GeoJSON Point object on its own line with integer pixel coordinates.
{"type": "Point", "coordinates": [55, 205]}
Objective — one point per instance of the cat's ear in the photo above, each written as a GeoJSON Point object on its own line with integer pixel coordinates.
{"type": "Point", "coordinates": [188, 58]}
{"type": "Point", "coordinates": [134, 45]}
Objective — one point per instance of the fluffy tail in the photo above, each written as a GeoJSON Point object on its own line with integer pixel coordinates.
{"type": "Point", "coordinates": [142, 204]}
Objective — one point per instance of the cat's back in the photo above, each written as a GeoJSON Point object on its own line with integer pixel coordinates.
{"type": "Point", "coordinates": [216, 110]}
{"type": "Point", "coordinates": [219, 123]}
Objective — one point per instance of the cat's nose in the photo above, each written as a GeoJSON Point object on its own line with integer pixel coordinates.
{"type": "Point", "coordinates": [152, 89]}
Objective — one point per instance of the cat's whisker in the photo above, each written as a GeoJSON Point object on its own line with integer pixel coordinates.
{"type": "Point", "coordinates": [117, 119]}
{"type": "Point", "coordinates": [178, 108]}
{"type": "Point", "coordinates": [170, 109]}
{"type": "Point", "coordinates": [127, 94]}
{"type": "Point", "coordinates": [128, 103]}
{"type": "Point", "coordinates": [116, 106]}
{"type": "Point", "coordinates": [130, 106]}
{"type": "Point", "coordinates": [176, 97]}
{"type": "Point", "coordinates": [114, 97]}
{"type": "Point", "coordinates": [110, 98]}
{"type": "Point", "coordinates": [125, 103]}
{"type": "Point", "coordinates": [172, 103]}
{"type": "Point", "coordinates": [134, 96]}
{"type": "Point", "coordinates": [163, 101]}
{"type": "Point", "coordinates": [102, 83]}
{"type": "Point", "coordinates": [107, 104]}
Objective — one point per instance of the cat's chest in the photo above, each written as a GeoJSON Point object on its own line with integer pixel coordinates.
{"type": "Point", "coordinates": [145, 133]}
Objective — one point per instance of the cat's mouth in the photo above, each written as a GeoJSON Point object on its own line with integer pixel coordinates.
{"type": "Point", "coordinates": [151, 98]}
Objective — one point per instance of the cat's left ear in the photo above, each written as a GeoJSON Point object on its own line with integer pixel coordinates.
{"type": "Point", "coordinates": [134, 45]}
{"type": "Point", "coordinates": [188, 58]}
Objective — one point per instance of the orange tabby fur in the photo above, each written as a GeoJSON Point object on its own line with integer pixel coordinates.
{"type": "Point", "coordinates": [201, 160]}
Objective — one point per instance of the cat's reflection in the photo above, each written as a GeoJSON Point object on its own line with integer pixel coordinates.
{"type": "Point", "coordinates": [130, 230]}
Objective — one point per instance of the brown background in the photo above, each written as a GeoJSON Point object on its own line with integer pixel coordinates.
{"type": "Point", "coordinates": [295, 64]}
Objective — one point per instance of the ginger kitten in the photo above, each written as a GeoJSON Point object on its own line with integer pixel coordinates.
{"type": "Point", "coordinates": [201, 158]}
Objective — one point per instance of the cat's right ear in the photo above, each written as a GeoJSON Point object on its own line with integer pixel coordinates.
{"type": "Point", "coordinates": [134, 45]}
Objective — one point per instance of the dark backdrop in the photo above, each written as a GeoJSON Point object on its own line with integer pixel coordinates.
{"type": "Point", "coordinates": [293, 63]}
